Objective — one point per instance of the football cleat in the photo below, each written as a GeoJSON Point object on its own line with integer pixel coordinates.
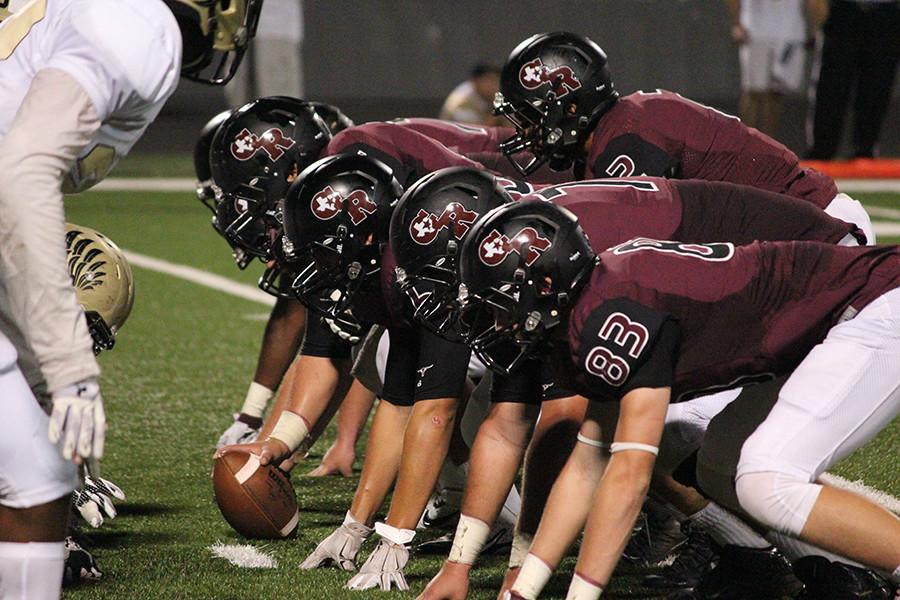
{"type": "Point", "coordinates": [746, 574]}
{"type": "Point", "coordinates": [696, 557]}
{"type": "Point", "coordinates": [79, 564]}
{"type": "Point", "coordinates": [442, 510]}
{"type": "Point", "coordinates": [498, 543]}
{"type": "Point", "coordinates": [656, 535]}
{"type": "Point", "coordinates": [826, 580]}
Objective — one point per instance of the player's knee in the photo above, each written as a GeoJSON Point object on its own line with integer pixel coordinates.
{"type": "Point", "coordinates": [779, 501]}
{"type": "Point", "coordinates": [511, 430]}
{"type": "Point", "coordinates": [436, 413]}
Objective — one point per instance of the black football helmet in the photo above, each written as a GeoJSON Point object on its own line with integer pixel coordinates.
{"type": "Point", "coordinates": [553, 88]}
{"type": "Point", "coordinates": [214, 35]}
{"type": "Point", "coordinates": [255, 155]}
{"type": "Point", "coordinates": [336, 120]}
{"type": "Point", "coordinates": [205, 192]}
{"type": "Point", "coordinates": [427, 228]}
{"type": "Point", "coordinates": [336, 221]}
{"type": "Point", "coordinates": [520, 270]}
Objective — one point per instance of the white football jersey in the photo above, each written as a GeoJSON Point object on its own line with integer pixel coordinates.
{"type": "Point", "coordinates": [125, 54]}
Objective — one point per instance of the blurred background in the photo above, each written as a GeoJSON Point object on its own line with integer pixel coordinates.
{"type": "Point", "coordinates": [381, 59]}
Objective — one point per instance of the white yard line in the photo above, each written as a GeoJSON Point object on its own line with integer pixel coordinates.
{"type": "Point", "coordinates": [200, 277]}
{"type": "Point", "coordinates": [244, 555]}
{"type": "Point", "coordinates": [868, 185]}
{"type": "Point", "coordinates": [885, 228]}
{"type": "Point", "coordinates": [881, 211]}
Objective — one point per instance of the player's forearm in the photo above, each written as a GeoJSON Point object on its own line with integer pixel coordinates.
{"type": "Point", "coordinates": [494, 462]}
{"type": "Point", "coordinates": [55, 121]}
{"type": "Point", "coordinates": [616, 504]}
{"type": "Point", "coordinates": [569, 503]}
{"type": "Point", "coordinates": [281, 341]}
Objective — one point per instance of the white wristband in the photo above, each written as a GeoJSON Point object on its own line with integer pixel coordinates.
{"type": "Point", "coordinates": [622, 446]}
{"type": "Point", "coordinates": [395, 535]}
{"type": "Point", "coordinates": [290, 429]}
{"type": "Point", "coordinates": [471, 534]}
{"type": "Point", "coordinates": [532, 578]}
{"type": "Point", "coordinates": [257, 400]}
{"type": "Point", "coordinates": [521, 544]}
{"type": "Point", "coordinates": [582, 589]}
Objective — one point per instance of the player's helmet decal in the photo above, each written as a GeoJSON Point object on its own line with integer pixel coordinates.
{"type": "Point", "coordinates": [426, 225]}
{"type": "Point", "coordinates": [494, 249]}
{"type": "Point", "coordinates": [273, 142]}
{"type": "Point", "coordinates": [535, 73]}
{"type": "Point", "coordinates": [329, 202]}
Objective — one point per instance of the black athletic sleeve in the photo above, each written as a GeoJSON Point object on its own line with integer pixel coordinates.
{"type": "Point", "coordinates": [319, 340]}
{"type": "Point", "coordinates": [624, 345]}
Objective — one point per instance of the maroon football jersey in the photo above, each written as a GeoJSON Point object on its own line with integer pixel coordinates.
{"type": "Point", "coordinates": [459, 137]}
{"type": "Point", "coordinates": [741, 313]}
{"type": "Point", "coordinates": [660, 133]}
{"type": "Point", "coordinates": [612, 211]}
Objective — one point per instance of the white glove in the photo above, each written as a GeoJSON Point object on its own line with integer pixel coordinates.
{"type": "Point", "coordinates": [341, 547]}
{"type": "Point", "coordinates": [385, 565]}
{"type": "Point", "coordinates": [238, 433]}
{"type": "Point", "coordinates": [78, 419]}
{"type": "Point", "coordinates": [95, 499]}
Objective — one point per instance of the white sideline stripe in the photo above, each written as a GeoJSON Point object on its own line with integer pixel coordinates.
{"type": "Point", "coordinates": [244, 555]}
{"type": "Point", "coordinates": [883, 228]}
{"type": "Point", "coordinates": [881, 211]}
{"type": "Point", "coordinates": [147, 184]}
{"type": "Point", "coordinates": [858, 487]}
{"type": "Point", "coordinates": [204, 278]}
{"type": "Point", "coordinates": [868, 185]}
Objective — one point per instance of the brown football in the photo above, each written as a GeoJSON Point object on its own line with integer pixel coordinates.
{"type": "Point", "coordinates": [257, 501]}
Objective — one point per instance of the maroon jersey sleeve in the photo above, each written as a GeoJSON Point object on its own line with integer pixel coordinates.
{"type": "Point", "coordinates": [660, 133]}
{"type": "Point", "coordinates": [409, 153]}
{"type": "Point", "coordinates": [718, 211]}
{"type": "Point", "coordinates": [459, 137]}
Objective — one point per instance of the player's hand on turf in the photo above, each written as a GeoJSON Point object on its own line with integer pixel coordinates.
{"type": "Point", "coordinates": [94, 500]}
{"type": "Point", "coordinates": [508, 580]}
{"type": "Point", "coordinates": [340, 547]}
{"type": "Point", "coordinates": [337, 460]}
{"type": "Point", "coordinates": [238, 432]}
{"type": "Point", "coordinates": [269, 451]}
{"type": "Point", "coordinates": [384, 567]}
{"type": "Point", "coordinates": [451, 583]}
{"type": "Point", "coordinates": [78, 421]}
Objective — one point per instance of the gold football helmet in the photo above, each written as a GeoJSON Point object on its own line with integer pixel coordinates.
{"type": "Point", "coordinates": [215, 34]}
{"type": "Point", "coordinates": [104, 283]}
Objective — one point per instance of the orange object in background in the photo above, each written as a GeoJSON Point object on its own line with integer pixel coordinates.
{"type": "Point", "coordinates": [857, 168]}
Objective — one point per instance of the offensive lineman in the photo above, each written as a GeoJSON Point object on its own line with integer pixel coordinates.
{"type": "Point", "coordinates": [78, 92]}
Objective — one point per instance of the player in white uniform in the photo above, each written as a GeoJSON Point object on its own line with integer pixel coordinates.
{"type": "Point", "coordinates": [80, 80]}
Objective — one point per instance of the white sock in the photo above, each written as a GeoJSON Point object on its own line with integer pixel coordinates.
{"type": "Point", "coordinates": [31, 571]}
{"type": "Point", "coordinates": [725, 528]}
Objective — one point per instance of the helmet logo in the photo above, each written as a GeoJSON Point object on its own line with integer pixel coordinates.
{"type": "Point", "coordinates": [426, 225]}
{"type": "Point", "coordinates": [273, 142]}
{"type": "Point", "coordinates": [496, 246]}
{"type": "Point", "coordinates": [535, 73]}
{"type": "Point", "coordinates": [329, 202]}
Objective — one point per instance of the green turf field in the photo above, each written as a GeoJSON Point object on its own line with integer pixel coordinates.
{"type": "Point", "coordinates": [180, 367]}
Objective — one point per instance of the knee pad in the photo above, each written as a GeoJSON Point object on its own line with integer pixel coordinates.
{"type": "Point", "coordinates": [779, 501]}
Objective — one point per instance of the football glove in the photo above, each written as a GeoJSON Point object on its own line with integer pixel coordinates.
{"type": "Point", "coordinates": [78, 420]}
{"type": "Point", "coordinates": [79, 564]}
{"type": "Point", "coordinates": [238, 433]}
{"type": "Point", "coordinates": [341, 547]}
{"type": "Point", "coordinates": [94, 500]}
{"type": "Point", "coordinates": [384, 568]}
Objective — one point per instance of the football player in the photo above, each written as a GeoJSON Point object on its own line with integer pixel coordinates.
{"type": "Point", "coordinates": [104, 288]}
{"type": "Point", "coordinates": [614, 210]}
{"type": "Point", "coordinates": [557, 90]}
{"type": "Point", "coordinates": [82, 80]}
{"type": "Point", "coordinates": [649, 322]}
